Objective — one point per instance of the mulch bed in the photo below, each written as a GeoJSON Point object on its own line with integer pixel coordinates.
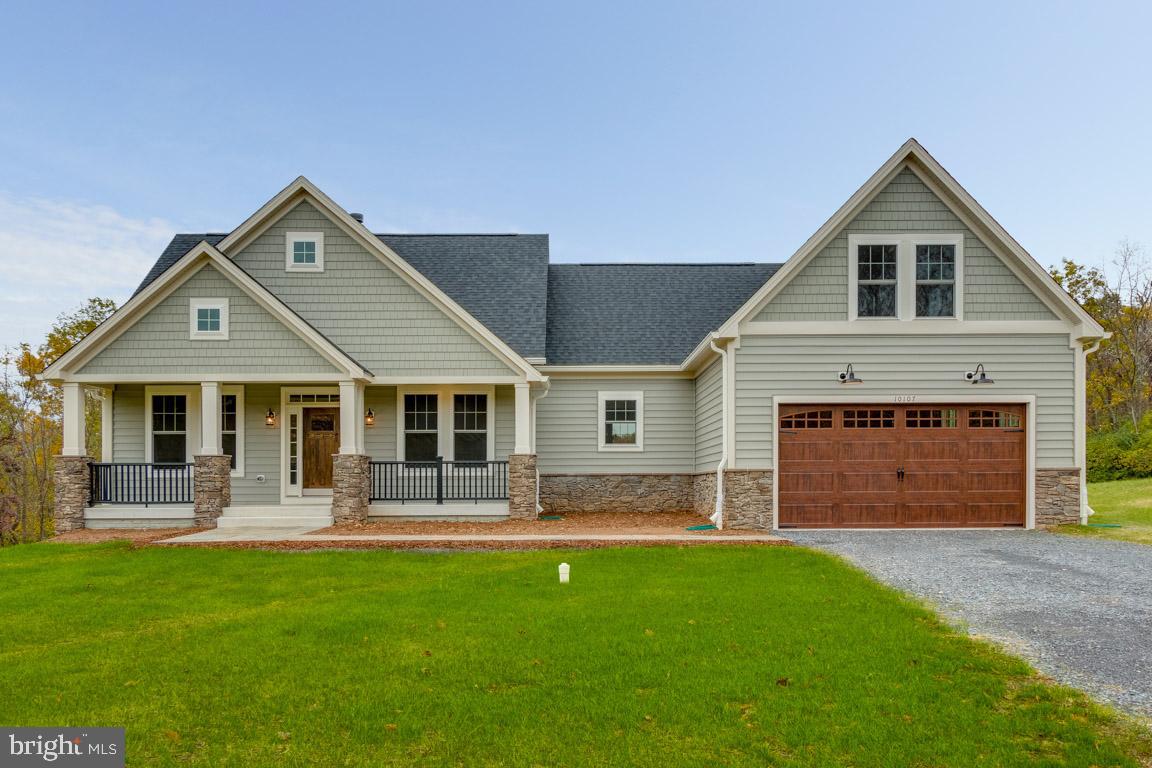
{"type": "Point", "coordinates": [576, 522]}
{"type": "Point", "coordinates": [470, 546]}
{"type": "Point", "coordinates": [137, 536]}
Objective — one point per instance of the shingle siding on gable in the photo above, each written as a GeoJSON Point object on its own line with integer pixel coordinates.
{"type": "Point", "coordinates": [363, 306]}
{"type": "Point", "coordinates": [820, 290]}
{"type": "Point", "coordinates": [159, 341]}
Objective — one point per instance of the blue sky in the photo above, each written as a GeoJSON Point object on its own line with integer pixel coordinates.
{"type": "Point", "coordinates": [639, 132]}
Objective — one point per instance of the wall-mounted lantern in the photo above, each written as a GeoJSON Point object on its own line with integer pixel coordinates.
{"type": "Point", "coordinates": [978, 376]}
{"type": "Point", "coordinates": [369, 418]}
{"type": "Point", "coordinates": [270, 418]}
{"type": "Point", "coordinates": [848, 377]}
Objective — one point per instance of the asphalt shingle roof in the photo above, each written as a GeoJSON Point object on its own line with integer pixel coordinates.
{"type": "Point", "coordinates": [573, 314]}
{"type": "Point", "coordinates": [641, 314]}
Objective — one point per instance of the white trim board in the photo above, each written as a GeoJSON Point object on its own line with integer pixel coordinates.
{"type": "Point", "coordinates": [880, 398]}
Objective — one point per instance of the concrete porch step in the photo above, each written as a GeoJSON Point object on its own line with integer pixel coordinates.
{"type": "Point", "coordinates": [274, 521]}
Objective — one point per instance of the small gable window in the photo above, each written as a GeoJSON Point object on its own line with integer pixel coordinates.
{"type": "Point", "coordinates": [621, 421]}
{"type": "Point", "coordinates": [304, 252]}
{"type": "Point", "coordinates": [208, 319]}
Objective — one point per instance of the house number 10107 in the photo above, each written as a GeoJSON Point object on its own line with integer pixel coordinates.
{"type": "Point", "coordinates": [905, 398]}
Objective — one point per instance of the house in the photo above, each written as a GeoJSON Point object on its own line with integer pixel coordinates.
{"type": "Point", "coordinates": [909, 366]}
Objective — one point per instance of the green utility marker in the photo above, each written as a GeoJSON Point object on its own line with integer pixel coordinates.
{"type": "Point", "coordinates": [708, 527]}
{"type": "Point", "coordinates": [1104, 525]}
{"type": "Point", "coordinates": [550, 517]}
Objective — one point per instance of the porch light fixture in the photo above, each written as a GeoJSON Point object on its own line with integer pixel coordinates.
{"type": "Point", "coordinates": [978, 376]}
{"type": "Point", "coordinates": [369, 418]}
{"type": "Point", "coordinates": [270, 418]}
{"type": "Point", "coordinates": [848, 377]}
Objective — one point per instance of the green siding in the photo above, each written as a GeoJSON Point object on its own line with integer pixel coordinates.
{"type": "Point", "coordinates": [380, 440]}
{"type": "Point", "coordinates": [1040, 365]}
{"type": "Point", "coordinates": [363, 306]}
{"type": "Point", "coordinates": [128, 423]}
{"type": "Point", "coordinates": [505, 422]}
{"type": "Point", "coordinates": [819, 292]}
{"type": "Point", "coordinates": [709, 416]}
{"type": "Point", "coordinates": [158, 342]}
{"type": "Point", "coordinates": [261, 449]}
{"type": "Point", "coordinates": [567, 427]}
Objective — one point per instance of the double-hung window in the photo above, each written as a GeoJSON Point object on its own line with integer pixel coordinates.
{"type": "Point", "coordinates": [876, 280]}
{"type": "Point", "coordinates": [917, 276]}
{"type": "Point", "coordinates": [470, 427]}
{"type": "Point", "coordinates": [169, 429]}
{"type": "Point", "coordinates": [421, 427]}
{"type": "Point", "coordinates": [935, 280]}
{"type": "Point", "coordinates": [621, 424]}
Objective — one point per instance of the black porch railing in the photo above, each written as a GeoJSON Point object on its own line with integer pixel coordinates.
{"type": "Point", "coordinates": [438, 481]}
{"type": "Point", "coordinates": [141, 484]}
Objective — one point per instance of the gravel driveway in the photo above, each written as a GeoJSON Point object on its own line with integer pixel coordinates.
{"type": "Point", "coordinates": [1079, 609]}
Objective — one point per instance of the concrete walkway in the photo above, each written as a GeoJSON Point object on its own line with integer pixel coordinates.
{"type": "Point", "coordinates": [284, 534]}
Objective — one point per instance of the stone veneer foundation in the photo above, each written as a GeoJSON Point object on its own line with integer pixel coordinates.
{"type": "Point", "coordinates": [350, 491]}
{"type": "Point", "coordinates": [522, 480]}
{"type": "Point", "coordinates": [211, 488]}
{"type": "Point", "coordinates": [71, 476]}
{"type": "Point", "coordinates": [704, 494]}
{"type": "Point", "coordinates": [748, 498]}
{"type": "Point", "coordinates": [560, 494]}
{"type": "Point", "coordinates": [1057, 496]}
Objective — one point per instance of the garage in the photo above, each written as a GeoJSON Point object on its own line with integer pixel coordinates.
{"type": "Point", "coordinates": [902, 466]}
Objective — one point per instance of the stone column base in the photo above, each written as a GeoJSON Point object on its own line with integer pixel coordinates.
{"type": "Point", "coordinates": [748, 498]}
{"type": "Point", "coordinates": [350, 491]}
{"type": "Point", "coordinates": [71, 476]}
{"type": "Point", "coordinates": [1057, 497]}
{"type": "Point", "coordinates": [212, 488]}
{"type": "Point", "coordinates": [522, 478]}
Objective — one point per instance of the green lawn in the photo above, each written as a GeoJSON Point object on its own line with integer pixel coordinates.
{"type": "Point", "coordinates": [666, 657]}
{"type": "Point", "coordinates": [1127, 503]}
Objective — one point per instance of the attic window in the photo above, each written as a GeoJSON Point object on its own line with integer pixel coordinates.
{"type": "Point", "coordinates": [208, 319]}
{"type": "Point", "coordinates": [304, 252]}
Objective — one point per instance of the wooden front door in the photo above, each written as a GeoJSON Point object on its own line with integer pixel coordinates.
{"type": "Point", "coordinates": [902, 466]}
{"type": "Point", "coordinates": [321, 441]}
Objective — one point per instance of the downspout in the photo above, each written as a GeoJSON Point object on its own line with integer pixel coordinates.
{"type": "Point", "coordinates": [717, 517]}
{"type": "Point", "coordinates": [1085, 510]}
{"type": "Point", "coordinates": [540, 396]}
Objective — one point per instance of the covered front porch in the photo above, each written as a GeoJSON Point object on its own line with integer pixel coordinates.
{"type": "Point", "coordinates": [240, 454]}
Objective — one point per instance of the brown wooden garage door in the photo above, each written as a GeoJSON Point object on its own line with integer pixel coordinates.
{"type": "Point", "coordinates": [902, 466]}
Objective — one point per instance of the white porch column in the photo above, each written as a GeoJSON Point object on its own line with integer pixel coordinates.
{"type": "Point", "coordinates": [351, 417]}
{"type": "Point", "coordinates": [523, 420]}
{"type": "Point", "coordinates": [73, 418]}
{"type": "Point", "coordinates": [210, 418]}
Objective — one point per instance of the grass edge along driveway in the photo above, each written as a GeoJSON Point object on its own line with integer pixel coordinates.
{"type": "Point", "coordinates": [671, 657]}
{"type": "Point", "coordinates": [1125, 503]}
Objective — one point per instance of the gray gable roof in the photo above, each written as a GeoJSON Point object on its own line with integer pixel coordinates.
{"type": "Point", "coordinates": [642, 314]}
{"type": "Point", "coordinates": [572, 314]}
{"type": "Point", "coordinates": [501, 280]}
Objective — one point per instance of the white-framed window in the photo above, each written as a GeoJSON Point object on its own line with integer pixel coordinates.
{"type": "Point", "coordinates": [208, 319]}
{"type": "Point", "coordinates": [917, 276]}
{"type": "Point", "coordinates": [304, 252]}
{"type": "Point", "coordinates": [232, 427]}
{"type": "Point", "coordinates": [171, 424]}
{"type": "Point", "coordinates": [421, 426]}
{"type": "Point", "coordinates": [470, 427]}
{"type": "Point", "coordinates": [621, 421]}
{"type": "Point", "coordinates": [456, 422]}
